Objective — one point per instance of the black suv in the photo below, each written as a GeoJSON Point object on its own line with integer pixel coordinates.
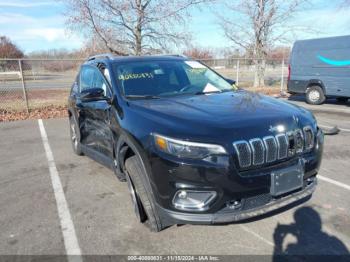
{"type": "Point", "coordinates": [193, 148]}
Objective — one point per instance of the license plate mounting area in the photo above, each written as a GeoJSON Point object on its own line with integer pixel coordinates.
{"type": "Point", "coordinates": [287, 179]}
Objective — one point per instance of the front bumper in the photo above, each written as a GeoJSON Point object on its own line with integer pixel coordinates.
{"type": "Point", "coordinates": [226, 215]}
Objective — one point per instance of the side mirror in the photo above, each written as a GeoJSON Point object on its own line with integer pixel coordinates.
{"type": "Point", "coordinates": [230, 81]}
{"type": "Point", "coordinates": [93, 94]}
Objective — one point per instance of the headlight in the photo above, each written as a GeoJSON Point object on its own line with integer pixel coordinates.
{"type": "Point", "coordinates": [186, 149]}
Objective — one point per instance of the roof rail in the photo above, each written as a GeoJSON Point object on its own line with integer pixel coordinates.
{"type": "Point", "coordinates": [177, 55]}
{"type": "Point", "coordinates": [107, 55]}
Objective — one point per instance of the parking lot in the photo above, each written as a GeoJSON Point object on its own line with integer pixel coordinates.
{"type": "Point", "coordinates": [103, 222]}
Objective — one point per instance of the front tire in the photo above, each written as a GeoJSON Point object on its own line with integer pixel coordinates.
{"type": "Point", "coordinates": [142, 202]}
{"type": "Point", "coordinates": [315, 95]}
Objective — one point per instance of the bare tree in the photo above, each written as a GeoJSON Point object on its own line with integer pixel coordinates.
{"type": "Point", "coordinates": [199, 53]}
{"type": "Point", "coordinates": [131, 26]}
{"type": "Point", "coordinates": [8, 49]}
{"type": "Point", "coordinates": [255, 25]}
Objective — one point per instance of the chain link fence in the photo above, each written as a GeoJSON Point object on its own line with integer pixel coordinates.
{"type": "Point", "coordinates": [27, 84]}
{"type": "Point", "coordinates": [243, 70]}
{"type": "Point", "coordinates": [31, 84]}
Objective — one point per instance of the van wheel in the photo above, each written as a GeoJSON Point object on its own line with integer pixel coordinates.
{"type": "Point", "coordinates": [342, 99]}
{"type": "Point", "coordinates": [143, 207]}
{"type": "Point", "coordinates": [74, 138]}
{"type": "Point", "coordinates": [315, 95]}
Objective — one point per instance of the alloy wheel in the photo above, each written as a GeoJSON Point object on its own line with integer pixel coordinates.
{"type": "Point", "coordinates": [314, 95]}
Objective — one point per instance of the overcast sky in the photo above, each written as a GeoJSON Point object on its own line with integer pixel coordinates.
{"type": "Point", "coordinates": [39, 24]}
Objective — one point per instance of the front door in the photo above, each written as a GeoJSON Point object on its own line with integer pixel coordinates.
{"type": "Point", "coordinates": [94, 116]}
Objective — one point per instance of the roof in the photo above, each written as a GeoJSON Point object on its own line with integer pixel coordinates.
{"type": "Point", "coordinates": [333, 38]}
{"type": "Point", "coordinates": [111, 57]}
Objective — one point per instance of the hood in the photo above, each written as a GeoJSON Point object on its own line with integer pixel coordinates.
{"type": "Point", "coordinates": [236, 113]}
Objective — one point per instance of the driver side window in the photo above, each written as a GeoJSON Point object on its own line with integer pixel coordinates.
{"type": "Point", "coordinates": [100, 82]}
{"type": "Point", "coordinates": [86, 78]}
{"type": "Point", "coordinates": [91, 77]}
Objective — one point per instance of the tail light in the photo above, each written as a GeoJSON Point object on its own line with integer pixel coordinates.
{"type": "Point", "coordinates": [289, 69]}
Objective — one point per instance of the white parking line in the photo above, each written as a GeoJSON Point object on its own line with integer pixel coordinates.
{"type": "Point", "coordinates": [257, 235]}
{"type": "Point", "coordinates": [342, 129]}
{"type": "Point", "coordinates": [334, 182]}
{"type": "Point", "coordinates": [69, 237]}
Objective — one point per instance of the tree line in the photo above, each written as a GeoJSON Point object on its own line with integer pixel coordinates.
{"type": "Point", "coordinates": [142, 27]}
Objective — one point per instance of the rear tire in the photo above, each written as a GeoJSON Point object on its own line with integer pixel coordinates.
{"type": "Point", "coordinates": [74, 137]}
{"type": "Point", "coordinates": [315, 95]}
{"type": "Point", "coordinates": [140, 195]}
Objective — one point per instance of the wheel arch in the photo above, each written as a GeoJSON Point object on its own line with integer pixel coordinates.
{"type": "Point", "coordinates": [128, 146]}
{"type": "Point", "coordinates": [72, 116]}
{"type": "Point", "coordinates": [316, 82]}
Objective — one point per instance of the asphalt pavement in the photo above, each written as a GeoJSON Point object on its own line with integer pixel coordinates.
{"type": "Point", "coordinates": [101, 213]}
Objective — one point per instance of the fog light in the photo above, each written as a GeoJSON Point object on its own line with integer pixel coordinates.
{"type": "Point", "coordinates": [183, 195]}
{"type": "Point", "coordinates": [193, 200]}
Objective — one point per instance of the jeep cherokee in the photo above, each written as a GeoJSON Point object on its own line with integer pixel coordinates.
{"type": "Point", "coordinates": [192, 147]}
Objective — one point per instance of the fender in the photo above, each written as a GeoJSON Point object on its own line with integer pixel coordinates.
{"type": "Point", "coordinates": [316, 82]}
{"type": "Point", "coordinates": [127, 141]}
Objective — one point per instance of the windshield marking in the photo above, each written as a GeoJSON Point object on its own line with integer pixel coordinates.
{"type": "Point", "coordinates": [136, 76]}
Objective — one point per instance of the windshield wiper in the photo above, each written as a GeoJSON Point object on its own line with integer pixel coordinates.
{"type": "Point", "coordinates": [211, 92]}
{"type": "Point", "coordinates": [208, 92]}
{"type": "Point", "coordinates": [142, 97]}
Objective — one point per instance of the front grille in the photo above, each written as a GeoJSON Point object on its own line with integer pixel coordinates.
{"type": "Point", "coordinates": [256, 201]}
{"type": "Point", "coordinates": [282, 144]}
{"type": "Point", "coordinates": [272, 148]}
{"type": "Point", "coordinates": [291, 144]}
{"type": "Point", "coordinates": [299, 141]}
{"type": "Point", "coordinates": [243, 152]}
{"type": "Point", "coordinates": [258, 151]}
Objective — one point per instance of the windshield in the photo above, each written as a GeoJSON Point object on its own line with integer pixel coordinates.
{"type": "Point", "coordinates": [167, 78]}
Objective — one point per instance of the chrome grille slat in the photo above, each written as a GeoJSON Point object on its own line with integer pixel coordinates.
{"type": "Point", "coordinates": [243, 152]}
{"type": "Point", "coordinates": [258, 151]}
{"type": "Point", "coordinates": [272, 148]}
{"type": "Point", "coordinates": [282, 145]}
